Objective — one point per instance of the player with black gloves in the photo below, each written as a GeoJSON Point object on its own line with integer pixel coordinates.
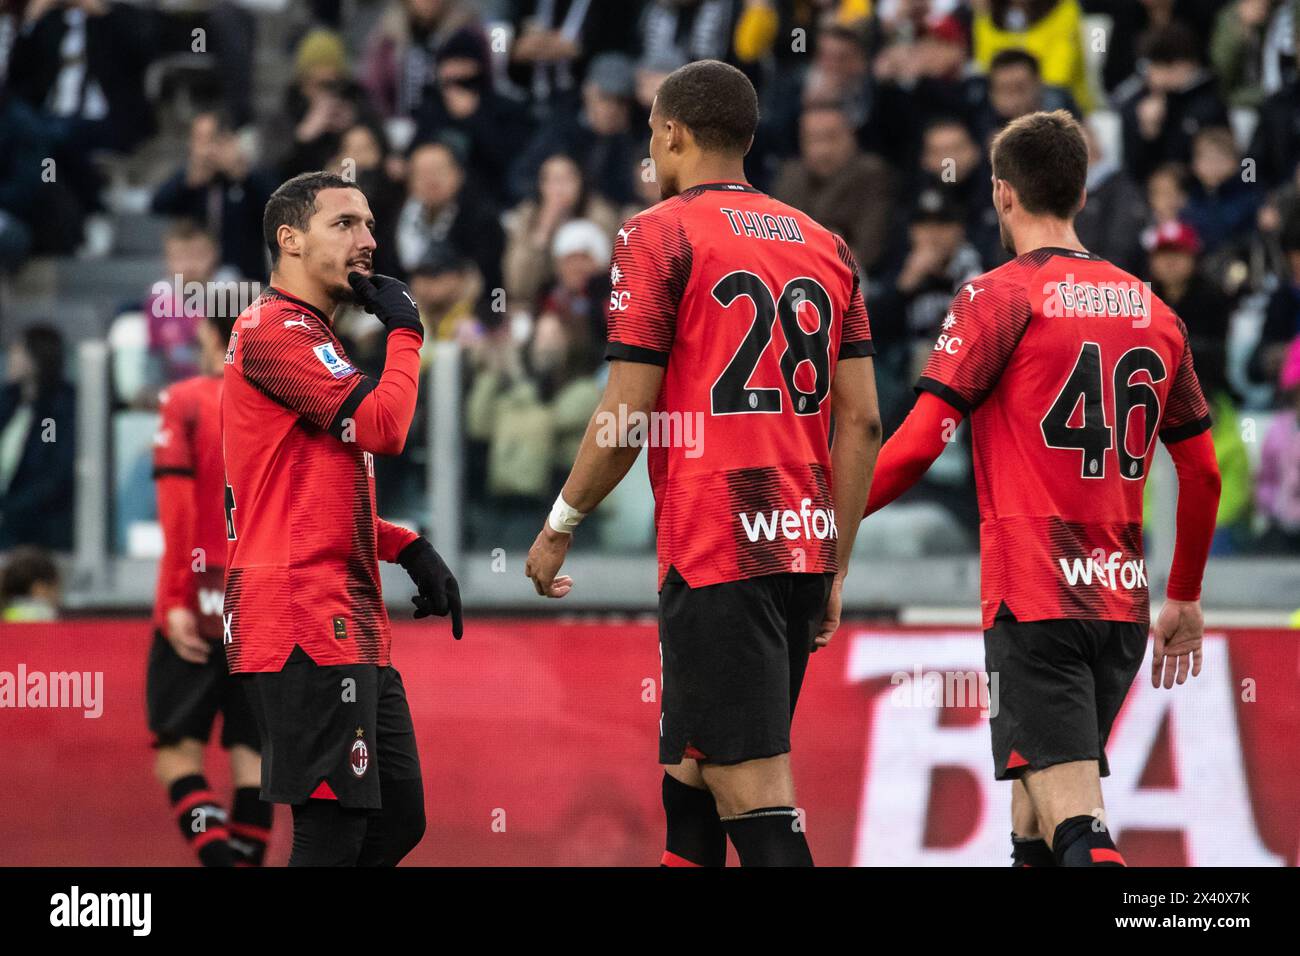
{"type": "Point", "coordinates": [305, 624]}
{"type": "Point", "coordinates": [390, 301]}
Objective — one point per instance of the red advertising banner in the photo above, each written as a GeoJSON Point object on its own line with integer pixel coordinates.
{"type": "Point", "coordinates": [537, 740]}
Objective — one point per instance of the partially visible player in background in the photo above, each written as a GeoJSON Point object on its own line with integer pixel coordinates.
{"type": "Point", "coordinates": [1068, 368]}
{"type": "Point", "coordinates": [741, 313]}
{"type": "Point", "coordinates": [305, 621]}
{"type": "Point", "coordinates": [187, 683]}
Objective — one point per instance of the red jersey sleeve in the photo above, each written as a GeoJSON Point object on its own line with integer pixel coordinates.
{"type": "Point", "coordinates": [1186, 411]}
{"type": "Point", "coordinates": [292, 358]}
{"type": "Point", "coordinates": [392, 539]}
{"type": "Point", "coordinates": [978, 336]}
{"type": "Point", "coordinates": [173, 470]}
{"type": "Point", "coordinates": [855, 340]}
{"type": "Point", "coordinates": [173, 450]}
{"type": "Point", "coordinates": [648, 276]}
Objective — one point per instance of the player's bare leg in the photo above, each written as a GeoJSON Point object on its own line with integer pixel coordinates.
{"type": "Point", "coordinates": [250, 815]}
{"type": "Point", "coordinates": [202, 820]}
{"type": "Point", "coordinates": [1067, 798]}
{"type": "Point", "coordinates": [1028, 845]}
{"type": "Point", "coordinates": [178, 760]}
{"type": "Point", "coordinates": [756, 803]}
{"type": "Point", "coordinates": [245, 766]}
{"type": "Point", "coordinates": [695, 836]}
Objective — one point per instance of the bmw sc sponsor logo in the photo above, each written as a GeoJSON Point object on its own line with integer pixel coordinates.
{"type": "Point", "coordinates": [338, 366]}
{"type": "Point", "coordinates": [360, 756]}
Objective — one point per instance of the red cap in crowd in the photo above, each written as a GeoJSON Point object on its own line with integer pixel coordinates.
{"type": "Point", "coordinates": [1175, 235]}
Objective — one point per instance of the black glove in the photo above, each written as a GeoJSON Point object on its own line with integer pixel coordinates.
{"type": "Point", "coordinates": [439, 592]}
{"type": "Point", "coordinates": [388, 299]}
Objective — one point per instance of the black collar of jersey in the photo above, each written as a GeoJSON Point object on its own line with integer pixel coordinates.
{"type": "Point", "coordinates": [728, 187]}
{"type": "Point", "coordinates": [1060, 251]}
{"type": "Point", "coordinates": [281, 294]}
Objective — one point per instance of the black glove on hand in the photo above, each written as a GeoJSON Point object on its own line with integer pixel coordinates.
{"type": "Point", "coordinates": [439, 592]}
{"type": "Point", "coordinates": [388, 299]}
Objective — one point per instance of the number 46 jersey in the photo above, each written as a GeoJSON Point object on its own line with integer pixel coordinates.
{"type": "Point", "coordinates": [1068, 368]}
{"type": "Point", "coordinates": [749, 305]}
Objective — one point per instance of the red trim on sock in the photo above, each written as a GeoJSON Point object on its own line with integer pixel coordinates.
{"type": "Point", "coordinates": [1015, 760]}
{"type": "Point", "coordinates": [192, 800]}
{"type": "Point", "coordinates": [213, 833]}
{"type": "Point", "coordinates": [1103, 855]}
{"type": "Point", "coordinates": [672, 859]}
{"type": "Point", "coordinates": [250, 831]}
{"type": "Point", "coordinates": [323, 792]}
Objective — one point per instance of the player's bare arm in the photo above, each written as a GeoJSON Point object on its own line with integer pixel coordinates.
{"type": "Point", "coordinates": [634, 387]}
{"type": "Point", "coordinates": [853, 460]}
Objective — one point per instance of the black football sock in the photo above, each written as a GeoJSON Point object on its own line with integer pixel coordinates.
{"type": "Point", "coordinates": [769, 836]}
{"type": "Point", "coordinates": [695, 834]}
{"type": "Point", "coordinates": [1077, 843]}
{"type": "Point", "coordinates": [250, 826]}
{"type": "Point", "coordinates": [326, 834]}
{"type": "Point", "coordinates": [1030, 851]}
{"type": "Point", "coordinates": [397, 829]}
{"type": "Point", "coordinates": [202, 820]}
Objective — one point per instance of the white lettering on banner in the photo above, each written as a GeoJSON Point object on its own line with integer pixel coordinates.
{"type": "Point", "coordinates": [906, 743]}
{"type": "Point", "coordinates": [1209, 803]}
{"type": "Point", "coordinates": [211, 601]}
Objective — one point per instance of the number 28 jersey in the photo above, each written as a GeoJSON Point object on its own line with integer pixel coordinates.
{"type": "Point", "coordinates": [749, 305]}
{"type": "Point", "coordinates": [1069, 368]}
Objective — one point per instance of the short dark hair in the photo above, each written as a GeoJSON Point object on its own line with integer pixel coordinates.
{"type": "Point", "coordinates": [1014, 56]}
{"type": "Point", "coordinates": [1045, 159]}
{"type": "Point", "coordinates": [1175, 43]}
{"type": "Point", "coordinates": [183, 230]}
{"type": "Point", "coordinates": [294, 203]}
{"type": "Point", "coordinates": [715, 101]}
{"type": "Point", "coordinates": [27, 566]}
{"type": "Point", "coordinates": [845, 33]}
{"type": "Point", "coordinates": [1218, 137]}
{"type": "Point", "coordinates": [943, 121]}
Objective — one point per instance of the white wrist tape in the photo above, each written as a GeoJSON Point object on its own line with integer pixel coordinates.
{"type": "Point", "coordinates": [563, 518]}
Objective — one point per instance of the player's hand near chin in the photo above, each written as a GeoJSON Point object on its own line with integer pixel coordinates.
{"type": "Point", "coordinates": [1177, 634]}
{"type": "Point", "coordinates": [831, 618]}
{"type": "Point", "coordinates": [544, 560]}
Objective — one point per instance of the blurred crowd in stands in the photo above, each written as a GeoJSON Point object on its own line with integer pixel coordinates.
{"type": "Point", "coordinates": [502, 143]}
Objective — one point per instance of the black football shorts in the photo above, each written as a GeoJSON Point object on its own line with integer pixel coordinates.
{"type": "Point", "coordinates": [183, 699]}
{"type": "Point", "coordinates": [332, 731]}
{"type": "Point", "coordinates": [733, 658]}
{"type": "Point", "coordinates": [1060, 685]}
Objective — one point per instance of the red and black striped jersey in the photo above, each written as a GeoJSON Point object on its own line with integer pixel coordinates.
{"type": "Point", "coordinates": [304, 539]}
{"type": "Point", "coordinates": [1069, 368]}
{"type": "Point", "coordinates": [748, 304]}
{"type": "Point", "coordinates": [187, 466]}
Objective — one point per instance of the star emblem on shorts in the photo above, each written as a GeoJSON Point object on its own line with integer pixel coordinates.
{"type": "Point", "coordinates": [615, 273]}
{"type": "Point", "coordinates": [949, 321]}
{"type": "Point", "coordinates": [361, 732]}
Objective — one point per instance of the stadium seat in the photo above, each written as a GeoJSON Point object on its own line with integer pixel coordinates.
{"type": "Point", "coordinates": [627, 515]}
{"type": "Point", "coordinates": [128, 344]}
{"type": "Point", "coordinates": [133, 493]}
